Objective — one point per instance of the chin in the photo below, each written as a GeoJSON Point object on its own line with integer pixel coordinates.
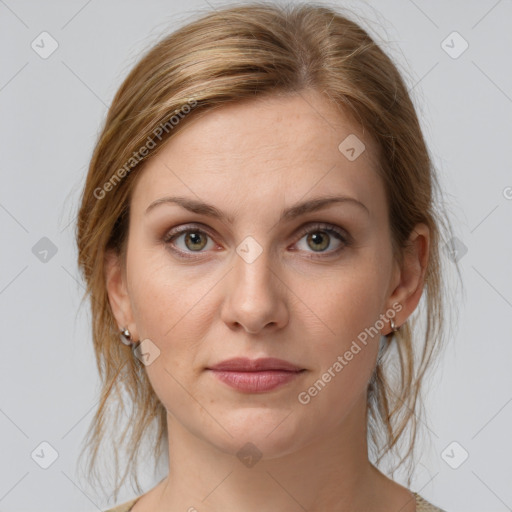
{"type": "Point", "coordinates": [269, 433]}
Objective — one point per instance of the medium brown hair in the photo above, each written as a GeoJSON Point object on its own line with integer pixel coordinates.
{"type": "Point", "coordinates": [230, 55]}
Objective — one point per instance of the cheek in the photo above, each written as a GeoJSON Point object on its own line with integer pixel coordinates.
{"type": "Point", "coordinates": [162, 293]}
{"type": "Point", "coordinates": [344, 361]}
{"type": "Point", "coordinates": [174, 313]}
{"type": "Point", "coordinates": [172, 307]}
{"type": "Point", "coordinates": [349, 304]}
{"type": "Point", "coordinates": [349, 301]}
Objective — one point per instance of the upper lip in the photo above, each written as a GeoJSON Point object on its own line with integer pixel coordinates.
{"type": "Point", "coordinates": [244, 364]}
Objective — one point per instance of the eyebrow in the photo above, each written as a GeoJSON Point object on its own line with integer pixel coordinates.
{"type": "Point", "coordinates": [290, 213]}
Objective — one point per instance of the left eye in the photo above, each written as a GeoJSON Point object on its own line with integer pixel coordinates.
{"type": "Point", "coordinates": [320, 239]}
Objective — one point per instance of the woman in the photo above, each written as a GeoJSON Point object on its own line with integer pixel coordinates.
{"type": "Point", "coordinates": [257, 227]}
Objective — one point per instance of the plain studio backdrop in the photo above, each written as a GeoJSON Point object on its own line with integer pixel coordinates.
{"type": "Point", "coordinates": [61, 65]}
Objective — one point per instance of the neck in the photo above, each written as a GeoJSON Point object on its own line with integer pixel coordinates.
{"type": "Point", "coordinates": [331, 472]}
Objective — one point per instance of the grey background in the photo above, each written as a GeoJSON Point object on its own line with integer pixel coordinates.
{"type": "Point", "coordinates": [51, 112]}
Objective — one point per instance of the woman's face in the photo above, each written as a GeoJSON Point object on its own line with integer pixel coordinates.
{"type": "Point", "coordinates": [253, 282]}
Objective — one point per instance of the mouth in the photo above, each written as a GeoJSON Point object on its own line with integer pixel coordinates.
{"type": "Point", "coordinates": [255, 375]}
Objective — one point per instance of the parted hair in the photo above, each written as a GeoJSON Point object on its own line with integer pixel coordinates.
{"type": "Point", "coordinates": [229, 55]}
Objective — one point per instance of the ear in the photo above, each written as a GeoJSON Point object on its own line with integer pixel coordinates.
{"type": "Point", "coordinates": [411, 273]}
{"type": "Point", "coordinates": [115, 281]}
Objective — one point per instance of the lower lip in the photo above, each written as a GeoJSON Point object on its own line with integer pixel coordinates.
{"type": "Point", "coordinates": [256, 382]}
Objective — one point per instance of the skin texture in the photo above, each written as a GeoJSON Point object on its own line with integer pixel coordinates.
{"type": "Point", "coordinates": [251, 160]}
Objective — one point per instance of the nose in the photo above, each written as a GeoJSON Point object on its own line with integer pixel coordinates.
{"type": "Point", "coordinates": [255, 296]}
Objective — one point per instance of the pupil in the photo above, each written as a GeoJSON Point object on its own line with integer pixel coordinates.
{"type": "Point", "coordinates": [319, 239]}
{"type": "Point", "coordinates": [195, 238]}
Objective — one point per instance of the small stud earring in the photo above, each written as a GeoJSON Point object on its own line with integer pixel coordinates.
{"type": "Point", "coordinates": [126, 337]}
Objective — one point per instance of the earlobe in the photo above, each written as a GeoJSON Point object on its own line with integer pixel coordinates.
{"type": "Point", "coordinates": [412, 272]}
{"type": "Point", "coordinates": [117, 290]}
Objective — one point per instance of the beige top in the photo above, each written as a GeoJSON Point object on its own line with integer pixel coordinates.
{"type": "Point", "coordinates": [422, 505]}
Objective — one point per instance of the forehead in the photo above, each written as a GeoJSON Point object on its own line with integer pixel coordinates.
{"type": "Point", "coordinates": [274, 149]}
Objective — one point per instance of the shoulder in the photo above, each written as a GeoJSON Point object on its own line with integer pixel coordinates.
{"type": "Point", "coordinates": [422, 505]}
{"type": "Point", "coordinates": [124, 507]}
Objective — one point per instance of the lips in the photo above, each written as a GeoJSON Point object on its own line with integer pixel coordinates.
{"type": "Point", "coordinates": [255, 375]}
{"type": "Point", "coordinates": [243, 364]}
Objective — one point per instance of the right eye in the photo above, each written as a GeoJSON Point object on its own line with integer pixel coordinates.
{"type": "Point", "coordinates": [184, 241]}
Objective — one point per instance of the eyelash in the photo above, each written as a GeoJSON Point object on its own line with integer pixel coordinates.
{"type": "Point", "coordinates": [330, 229]}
